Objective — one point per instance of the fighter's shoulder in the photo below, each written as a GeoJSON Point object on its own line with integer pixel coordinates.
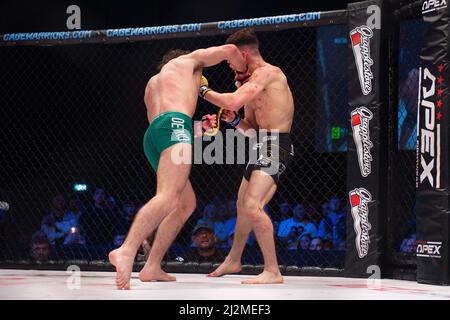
{"type": "Point", "coordinates": [192, 59]}
{"type": "Point", "coordinates": [269, 71]}
{"type": "Point", "coordinates": [153, 81]}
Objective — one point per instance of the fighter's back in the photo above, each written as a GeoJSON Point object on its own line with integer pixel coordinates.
{"type": "Point", "coordinates": [174, 88]}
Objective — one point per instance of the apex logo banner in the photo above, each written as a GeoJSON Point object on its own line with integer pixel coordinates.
{"type": "Point", "coordinates": [430, 114]}
{"type": "Point", "coordinates": [429, 249]}
{"type": "Point", "coordinates": [433, 5]}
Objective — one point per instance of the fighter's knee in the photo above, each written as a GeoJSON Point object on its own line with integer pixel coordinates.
{"type": "Point", "coordinates": [186, 209]}
{"type": "Point", "coordinates": [249, 205]}
{"type": "Point", "coordinates": [240, 204]}
{"type": "Point", "coordinates": [167, 201]}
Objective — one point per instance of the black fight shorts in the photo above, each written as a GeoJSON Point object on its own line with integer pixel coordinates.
{"type": "Point", "coordinates": [274, 153]}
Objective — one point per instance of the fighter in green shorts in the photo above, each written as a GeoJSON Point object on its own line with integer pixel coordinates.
{"type": "Point", "coordinates": [171, 99]}
{"type": "Point", "coordinates": [165, 130]}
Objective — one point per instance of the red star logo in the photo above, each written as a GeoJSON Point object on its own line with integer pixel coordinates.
{"type": "Point", "coordinates": [441, 68]}
{"type": "Point", "coordinates": [439, 103]}
{"type": "Point", "coordinates": [440, 92]}
{"type": "Point", "coordinates": [439, 115]}
{"type": "Point", "coordinates": [440, 79]}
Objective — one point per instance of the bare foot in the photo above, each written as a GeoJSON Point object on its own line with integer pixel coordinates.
{"type": "Point", "coordinates": [123, 261]}
{"type": "Point", "coordinates": [155, 274]}
{"type": "Point", "coordinates": [226, 267]}
{"type": "Point", "coordinates": [265, 277]}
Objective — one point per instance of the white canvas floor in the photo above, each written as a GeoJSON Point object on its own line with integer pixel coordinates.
{"type": "Point", "coordinates": [28, 284]}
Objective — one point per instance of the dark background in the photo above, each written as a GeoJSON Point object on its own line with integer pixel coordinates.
{"type": "Point", "coordinates": [75, 113]}
{"type": "Point", "coordinates": [74, 79]}
{"type": "Point", "coordinates": [46, 15]}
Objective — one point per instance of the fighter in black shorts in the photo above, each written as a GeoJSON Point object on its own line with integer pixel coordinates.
{"type": "Point", "coordinates": [264, 93]}
{"type": "Point", "coordinates": [274, 154]}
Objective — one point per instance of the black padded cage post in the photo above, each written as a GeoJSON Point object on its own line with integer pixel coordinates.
{"type": "Point", "coordinates": [73, 111]}
{"type": "Point", "coordinates": [418, 219]}
{"type": "Point", "coordinates": [404, 55]}
{"type": "Point", "coordinates": [432, 158]}
{"type": "Point", "coordinates": [367, 158]}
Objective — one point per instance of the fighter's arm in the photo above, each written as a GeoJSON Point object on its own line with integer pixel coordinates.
{"type": "Point", "coordinates": [249, 121]}
{"type": "Point", "coordinates": [247, 125]}
{"type": "Point", "coordinates": [233, 101]}
{"type": "Point", "coordinates": [214, 55]}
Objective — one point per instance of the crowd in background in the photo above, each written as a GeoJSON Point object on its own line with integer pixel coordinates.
{"type": "Point", "coordinates": [102, 224]}
{"type": "Point", "coordinates": [408, 235]}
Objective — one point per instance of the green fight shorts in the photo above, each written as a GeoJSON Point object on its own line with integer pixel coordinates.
{"type": "Point", "coordinates": [165, 130]}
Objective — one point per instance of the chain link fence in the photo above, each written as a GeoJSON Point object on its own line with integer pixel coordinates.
{"type": "Point", "coordinates": [75, 114]}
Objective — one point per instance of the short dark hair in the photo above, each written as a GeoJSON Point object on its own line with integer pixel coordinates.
{"type": "Point", "coordinates": [171, 54]}
{"type": "Point", "coordinates": [243, 37]}
{"type": "Point", "coordinates": [39, 237]}
{"type": "Point", "coordinates": [320, 238]}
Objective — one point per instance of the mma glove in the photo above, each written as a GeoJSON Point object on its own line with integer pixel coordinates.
{"type": "Point", "coordinates": [204, 87]}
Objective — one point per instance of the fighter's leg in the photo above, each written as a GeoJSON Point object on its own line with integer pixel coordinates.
{"type": "Point", "coordinates": [166, 234]}
{"type": "Point", "coordinates": [243, 224]}
{"type": "Point", "coordinates": [258, 187]}
{"type": "Point", "coordinates": [171, 180]}
{"type": "Point", "coordinates": [232, 263]}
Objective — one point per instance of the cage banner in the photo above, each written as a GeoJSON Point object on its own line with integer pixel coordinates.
{"type": "Point", "coordinates": [307, 19]}
{"type": "Point", "coordinates": [432, 148]}
{"type": "Point", "coordinates": [366, 141]}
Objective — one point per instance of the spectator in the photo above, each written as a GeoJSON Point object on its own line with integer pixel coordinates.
{"type": "Point", "coordinates": [333, 225]}
{"type": "Point", "coordinates": [230, 224]}
{"type": "Point", "coordinates": [314, 216]}
{"type": "Point", "coordinates": [205, 250]}
{"type": "Point", "coordinates": [74, 210]}
{"type": "Point", "coordinates": [40, 247]}
{"type": "Point", "coordinates": [294, 236]}
{"type": "Point", "coordinates": [128, 212]}
{"type": "Point", "coordinates": [291, 229]}
{"type": "Point", "coordinates": [58, 223]}
{"type": "Point", "coordinates": [209, 211]}
{"type": "Point", "coordinates": [327, 245]}
{"type": "Point", "coordinates": [341, 245]}
{"type": "Point", "coordinates": [112, 203]}
{"type": "Point", "coordinates": [69, 225]}
{"type": "Point", "coordinates": [283, 213]}
{"type": "Point", "coordinates": [232, 208]}
{"type": "Point", "coordinates": [302, 215]}
{"type": "Point", "coordinates": [58, 207]}
{"type": "Point", "coordinates": [74, 237]}
{"type": "Point", "coordinates": [408, 245]}
{"type": "Point", "coordinates": [286, 225]}
{"type": "Point", "coordinates": [305, 241]}
{"type": "Point", "coordinates": [101, 223]}
{"type": "Point", "coordinates": [219, 222]}
{"type": "Point", "coordinates": [54, 232]}
{"type": "Point", "coordinates": [276, 227]}
{"type": "Point", "coordinates": [316, 244]}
